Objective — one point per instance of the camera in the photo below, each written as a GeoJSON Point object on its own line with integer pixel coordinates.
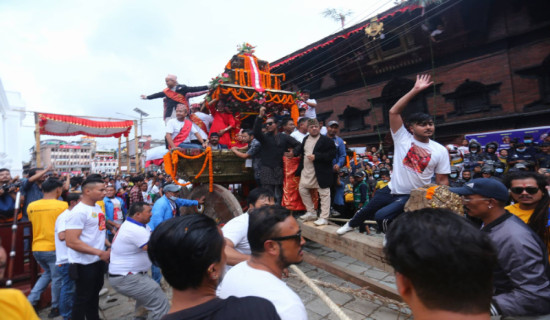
{"type": "Point", "coordinates": [7, 186]}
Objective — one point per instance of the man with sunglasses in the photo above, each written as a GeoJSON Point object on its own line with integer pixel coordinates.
{"type": "Point", "coordinates": [528, 189]}
{"type": "Point", "coordinates": [521, 280]}
{"type": "Point", "coordinates": [274, 147]}
{"type": "Point", "coordinates": [275, 242]}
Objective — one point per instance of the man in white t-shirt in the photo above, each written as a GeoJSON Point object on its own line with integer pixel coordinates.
{"type": "Point", "coordinates": [130, 263]}
{"type": "Point", "coordinates": [85, 237]}
{"type": "Point", "coordinates": [301, 129]}
{"type": "Point", "coordinates": [237, 248]}
{"type": "Point", "coordinates": [308, 104]}
{"type": "Point", "coordinates": [182, 132]}
{"type": "Point", "coordinates": [66, 293]}
{"type": "Point", "coordinates": [275, 242]}
{"type": "Point", "coordinates": [416, 159]}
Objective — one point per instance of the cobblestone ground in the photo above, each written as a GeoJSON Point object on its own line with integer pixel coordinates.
{"type": "Point", "coordinates": [116, 306]}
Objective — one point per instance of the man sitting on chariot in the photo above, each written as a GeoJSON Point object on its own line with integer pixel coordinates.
{"type": "Point", "coordinates": [182, 132]}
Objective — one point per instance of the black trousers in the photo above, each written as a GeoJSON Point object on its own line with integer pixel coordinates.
{"type": "Point", "coordinates": [88, 280]}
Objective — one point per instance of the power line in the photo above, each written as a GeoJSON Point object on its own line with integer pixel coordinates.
{"type": "Point", "coordinates": [396, 35]}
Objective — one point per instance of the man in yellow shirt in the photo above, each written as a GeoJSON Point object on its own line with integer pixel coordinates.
{"type": "Point", "coordinates": [528, 189]}
{"type": "Point", "coordinates": [42, 214]}
{"type": "Point", "coordinates": [13, 304]}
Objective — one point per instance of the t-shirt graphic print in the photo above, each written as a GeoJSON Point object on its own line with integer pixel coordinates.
{"type": "Point", "coordinates": [100, 220]}
{"type": "Point", "coordinates": [417, 158]}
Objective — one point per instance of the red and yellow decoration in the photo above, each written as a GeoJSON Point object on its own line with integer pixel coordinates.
{"type": "Point", "coordinates": [247, 84]}
{"type": "Point", "coordinates": [65, 125]}
{"type": "Point", "coordinates": [171, 164]}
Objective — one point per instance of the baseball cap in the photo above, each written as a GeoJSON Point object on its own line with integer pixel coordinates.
{"type": "Point", "coordinates": [520, 165]}
{"type": "Point", "coordinates": [359, 174]}
{"type": "Point", "coordinates": [172, 187]}
{"type": "Point", "coordinates": [333, 123]}
{"type": "Point", "coordinates": [486, 187]}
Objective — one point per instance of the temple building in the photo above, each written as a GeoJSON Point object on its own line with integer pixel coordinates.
{"type": "Point", "coordinates": [490, 61]}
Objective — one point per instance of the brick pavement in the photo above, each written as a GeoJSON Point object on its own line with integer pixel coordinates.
{"type": "Point", "coordinates": [116, 306]}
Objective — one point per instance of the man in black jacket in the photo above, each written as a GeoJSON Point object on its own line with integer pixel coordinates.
{"type": "Point", "coordinates": [315, 171]}
{"type": "Point", "coordinates": [274, 146]}
{"type": "Point", "coordinates": [173, 94]}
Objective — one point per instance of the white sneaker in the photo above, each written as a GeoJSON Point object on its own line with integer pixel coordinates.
{"type": "Point", "coordinates": [103, 291]}
{"type": "Point", "coordinates": [321, 222]}
{"type": "Point", "coordinates": [309, 216]}
{"type": "Point", "coordinates": [345, 228]}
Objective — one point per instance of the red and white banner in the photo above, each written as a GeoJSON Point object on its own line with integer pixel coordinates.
{"type": "Point", "coordinates": [255, 74]}
{"type": "Point", "coordinates": [63, 125]}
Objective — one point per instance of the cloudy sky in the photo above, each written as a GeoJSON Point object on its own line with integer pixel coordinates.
{"type": "Point", "coordinates": [96, 58]}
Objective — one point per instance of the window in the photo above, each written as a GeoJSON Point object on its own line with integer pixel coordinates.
{"type": "Point", "coordinates": [472, 97]}
{"type": "Point", "coordinates": [393, 91]}
{"type": "Point", "coordinates": [354, 119]}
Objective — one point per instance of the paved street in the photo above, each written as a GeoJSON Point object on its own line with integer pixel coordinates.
{"type": "Point", "coordinates": [116, 306]}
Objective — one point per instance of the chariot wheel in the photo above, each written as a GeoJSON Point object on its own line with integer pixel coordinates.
{"type": "Point", "coordinates": [220, 204]}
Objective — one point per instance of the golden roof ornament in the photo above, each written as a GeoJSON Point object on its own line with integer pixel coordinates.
{"type": "Point", "coordinates": [374, 28]}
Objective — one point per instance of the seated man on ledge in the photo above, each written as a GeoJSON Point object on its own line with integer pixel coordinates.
{"type": "Point", "coordinates": [416, 160]}
{"type": "Point", "coordinates": [182, 132]}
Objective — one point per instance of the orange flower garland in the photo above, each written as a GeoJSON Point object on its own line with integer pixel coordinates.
{"type": "Point", "coordinates": [171, 163]}
{"type": "Point", "coordinates": [430, 192]}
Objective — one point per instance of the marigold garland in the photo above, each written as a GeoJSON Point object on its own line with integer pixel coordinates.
{"type": "Point", "coordinates": [430, 192]}
{"type": "Point", "coordinates": [171, 163]}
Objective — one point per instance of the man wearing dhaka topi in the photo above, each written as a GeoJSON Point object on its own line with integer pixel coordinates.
{"type": "Point", "coordinates": [173, 94]}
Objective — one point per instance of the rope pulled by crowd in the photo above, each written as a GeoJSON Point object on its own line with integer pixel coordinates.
{"type": "Point", "coordinates": [402, 307]}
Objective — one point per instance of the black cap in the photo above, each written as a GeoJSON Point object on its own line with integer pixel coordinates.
{"type": "Point", "coordinates": [486, 187]}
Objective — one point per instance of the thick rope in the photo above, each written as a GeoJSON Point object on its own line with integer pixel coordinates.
{"type": "Point", "coordinates": [332, 306]}
{"type": "Point", "coordinates": [363, 293]}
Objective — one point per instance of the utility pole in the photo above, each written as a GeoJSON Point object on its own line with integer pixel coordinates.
{"type": "Point", "coordinates": [138, 154]}
{"type": "Point", "coordinates": [141, 115]}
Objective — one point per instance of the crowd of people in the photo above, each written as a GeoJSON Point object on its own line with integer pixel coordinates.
{"type": "Point", "coordinates": [129, 230]}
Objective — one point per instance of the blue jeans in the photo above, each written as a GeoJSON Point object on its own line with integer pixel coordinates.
{"type": "Point", "coordinates": [184, 145]}
{"type": "Point", "coordinates": [383, 207]}
{"type": "Point", "coordinates": [66, 294]}
{"type": "Point", "coordinates": [156, 274]}
{"type": "Point", "coordinates": [46, 260]}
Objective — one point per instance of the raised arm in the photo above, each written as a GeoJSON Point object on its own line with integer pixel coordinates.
{"type": "Point", "coordinates": [183, 89]}
{"type": "Point", "coordinates": [258, 134]}
{"type": "Point", "coordinates": [153, 96]}
{"type": "Point", "coordinates": [40, 173]}
{"type": "Point", "coordinates": [422, 82]}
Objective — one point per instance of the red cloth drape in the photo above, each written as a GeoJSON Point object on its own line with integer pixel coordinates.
{"type": "Point", "coordinates": [291, 195]}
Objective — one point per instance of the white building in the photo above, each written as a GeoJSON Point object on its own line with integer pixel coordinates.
{"type": "Point", "coordinates": [104, 162]}
{"type": "Point", "coordinates": [67, 157]}
{"type": "Point", "coordinates": [11, 116]}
